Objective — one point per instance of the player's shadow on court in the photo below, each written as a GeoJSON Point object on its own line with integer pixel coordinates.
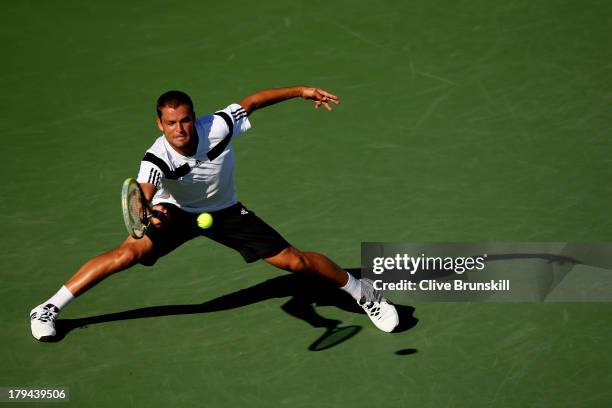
{"type": "Point", "coordinates": [305, 293]}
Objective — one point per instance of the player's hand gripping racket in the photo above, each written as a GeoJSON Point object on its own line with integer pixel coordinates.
{"type": "Point", "coordinates": [137, 211]}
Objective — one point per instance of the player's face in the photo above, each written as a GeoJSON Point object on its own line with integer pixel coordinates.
{"type": "Point", "coordinates": [178, 126]}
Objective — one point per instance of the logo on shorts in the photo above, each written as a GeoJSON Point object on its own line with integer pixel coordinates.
{"type": "Point", "coordinates": [243, 211]}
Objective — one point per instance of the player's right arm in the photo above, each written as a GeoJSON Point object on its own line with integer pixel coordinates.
{"type": "Point", "coordinates": [150, 177]}
{"type": "Point", "coordinates": [148, 189]}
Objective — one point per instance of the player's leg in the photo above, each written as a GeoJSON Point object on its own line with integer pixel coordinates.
{"type": "Point", "coordinates": [179, 228]}
{"type": "Point", "coordinates": [382, 313]}
{"type": "Point", "coordinates": [294, 260]}
{"type": "Point", "coordinates": [242, 230]}
{"type": "Point", "coordinates": [128, 253]}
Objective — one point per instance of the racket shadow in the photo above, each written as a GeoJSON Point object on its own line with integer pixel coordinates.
{"type": "Point", "coordinates": [304, 294]}
{"type": "Point", "coordinates": [334, 336]}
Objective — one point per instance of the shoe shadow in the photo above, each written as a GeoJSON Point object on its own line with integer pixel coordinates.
{"type": "Point", "coordinates": [304, 292]}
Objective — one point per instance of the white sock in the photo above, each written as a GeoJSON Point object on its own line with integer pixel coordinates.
{"type": "Point", "coordinates": [61, 298]}
{"type": "Point", "coordinates": [353, 287]}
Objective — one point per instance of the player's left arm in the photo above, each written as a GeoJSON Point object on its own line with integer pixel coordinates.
{"type": "Point", "coordinates": [271, 96]}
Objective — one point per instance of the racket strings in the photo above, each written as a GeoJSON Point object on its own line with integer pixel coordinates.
{"type": "Point", "coordinates": [135, 208]}
{"type": "Point", "coordinates": [138, 212]}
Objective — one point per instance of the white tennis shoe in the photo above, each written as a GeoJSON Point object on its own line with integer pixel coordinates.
{"type": "Point", "coordinates": [42, 321]}
{"type": "Point", "coordinates": [382, 313]}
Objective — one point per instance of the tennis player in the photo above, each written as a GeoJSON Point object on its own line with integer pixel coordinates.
{"type": "Point", "coordinates": [189, 170]}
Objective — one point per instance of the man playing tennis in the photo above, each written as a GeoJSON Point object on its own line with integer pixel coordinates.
{"type": "Point", "coordinates": [188, 171]}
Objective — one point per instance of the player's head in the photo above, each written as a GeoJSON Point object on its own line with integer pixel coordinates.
{"type": "Point", "coordinates": [176, 119]}
{"type": "Point", "coordinates": [173, 99]}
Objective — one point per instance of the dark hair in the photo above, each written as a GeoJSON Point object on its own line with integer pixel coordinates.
{"type": "Point", "coordinates": [173, 99]}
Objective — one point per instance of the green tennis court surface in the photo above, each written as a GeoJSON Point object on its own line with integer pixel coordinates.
{"type": "Point", "coordinates": [465, 121]}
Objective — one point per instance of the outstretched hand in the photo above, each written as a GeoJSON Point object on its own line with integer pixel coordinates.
{"type": "Point", "coordinates": [160, 216]}
{"type": "Point", "coordinates": [321, 97]}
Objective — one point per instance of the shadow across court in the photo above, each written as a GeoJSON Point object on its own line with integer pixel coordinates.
{"type": "Point", "coordinates": [305, 293]}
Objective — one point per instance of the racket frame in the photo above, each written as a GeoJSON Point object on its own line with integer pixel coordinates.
{"type": "Point", "coordinates": [125, 206]}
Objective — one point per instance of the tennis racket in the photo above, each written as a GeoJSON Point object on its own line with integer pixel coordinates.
{"type": "Point", "coordinates": [137, 211]}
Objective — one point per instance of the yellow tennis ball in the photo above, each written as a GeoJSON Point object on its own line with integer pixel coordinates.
{"type": "Point", "coordinates": [205, 220]}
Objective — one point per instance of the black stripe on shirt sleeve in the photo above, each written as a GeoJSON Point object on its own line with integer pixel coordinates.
{"type": "Point", "coordinates": [238, 114]}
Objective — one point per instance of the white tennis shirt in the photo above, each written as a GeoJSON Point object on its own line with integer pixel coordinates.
{"type": "Point", "coordinates": [204, 181]}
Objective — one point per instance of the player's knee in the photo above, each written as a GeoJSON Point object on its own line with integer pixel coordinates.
{"type": "Point", "coordinates": [299, 262]}
{"type": "Point", "coordinates": [130, 253]}
{"type": "Point", "coordinates": [292, 260]}
{"type": "Point", "coordinates": [125, 256]}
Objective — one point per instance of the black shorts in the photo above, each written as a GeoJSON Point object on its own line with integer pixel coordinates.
{"type": "Point", "coordinates": [235, 227]}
